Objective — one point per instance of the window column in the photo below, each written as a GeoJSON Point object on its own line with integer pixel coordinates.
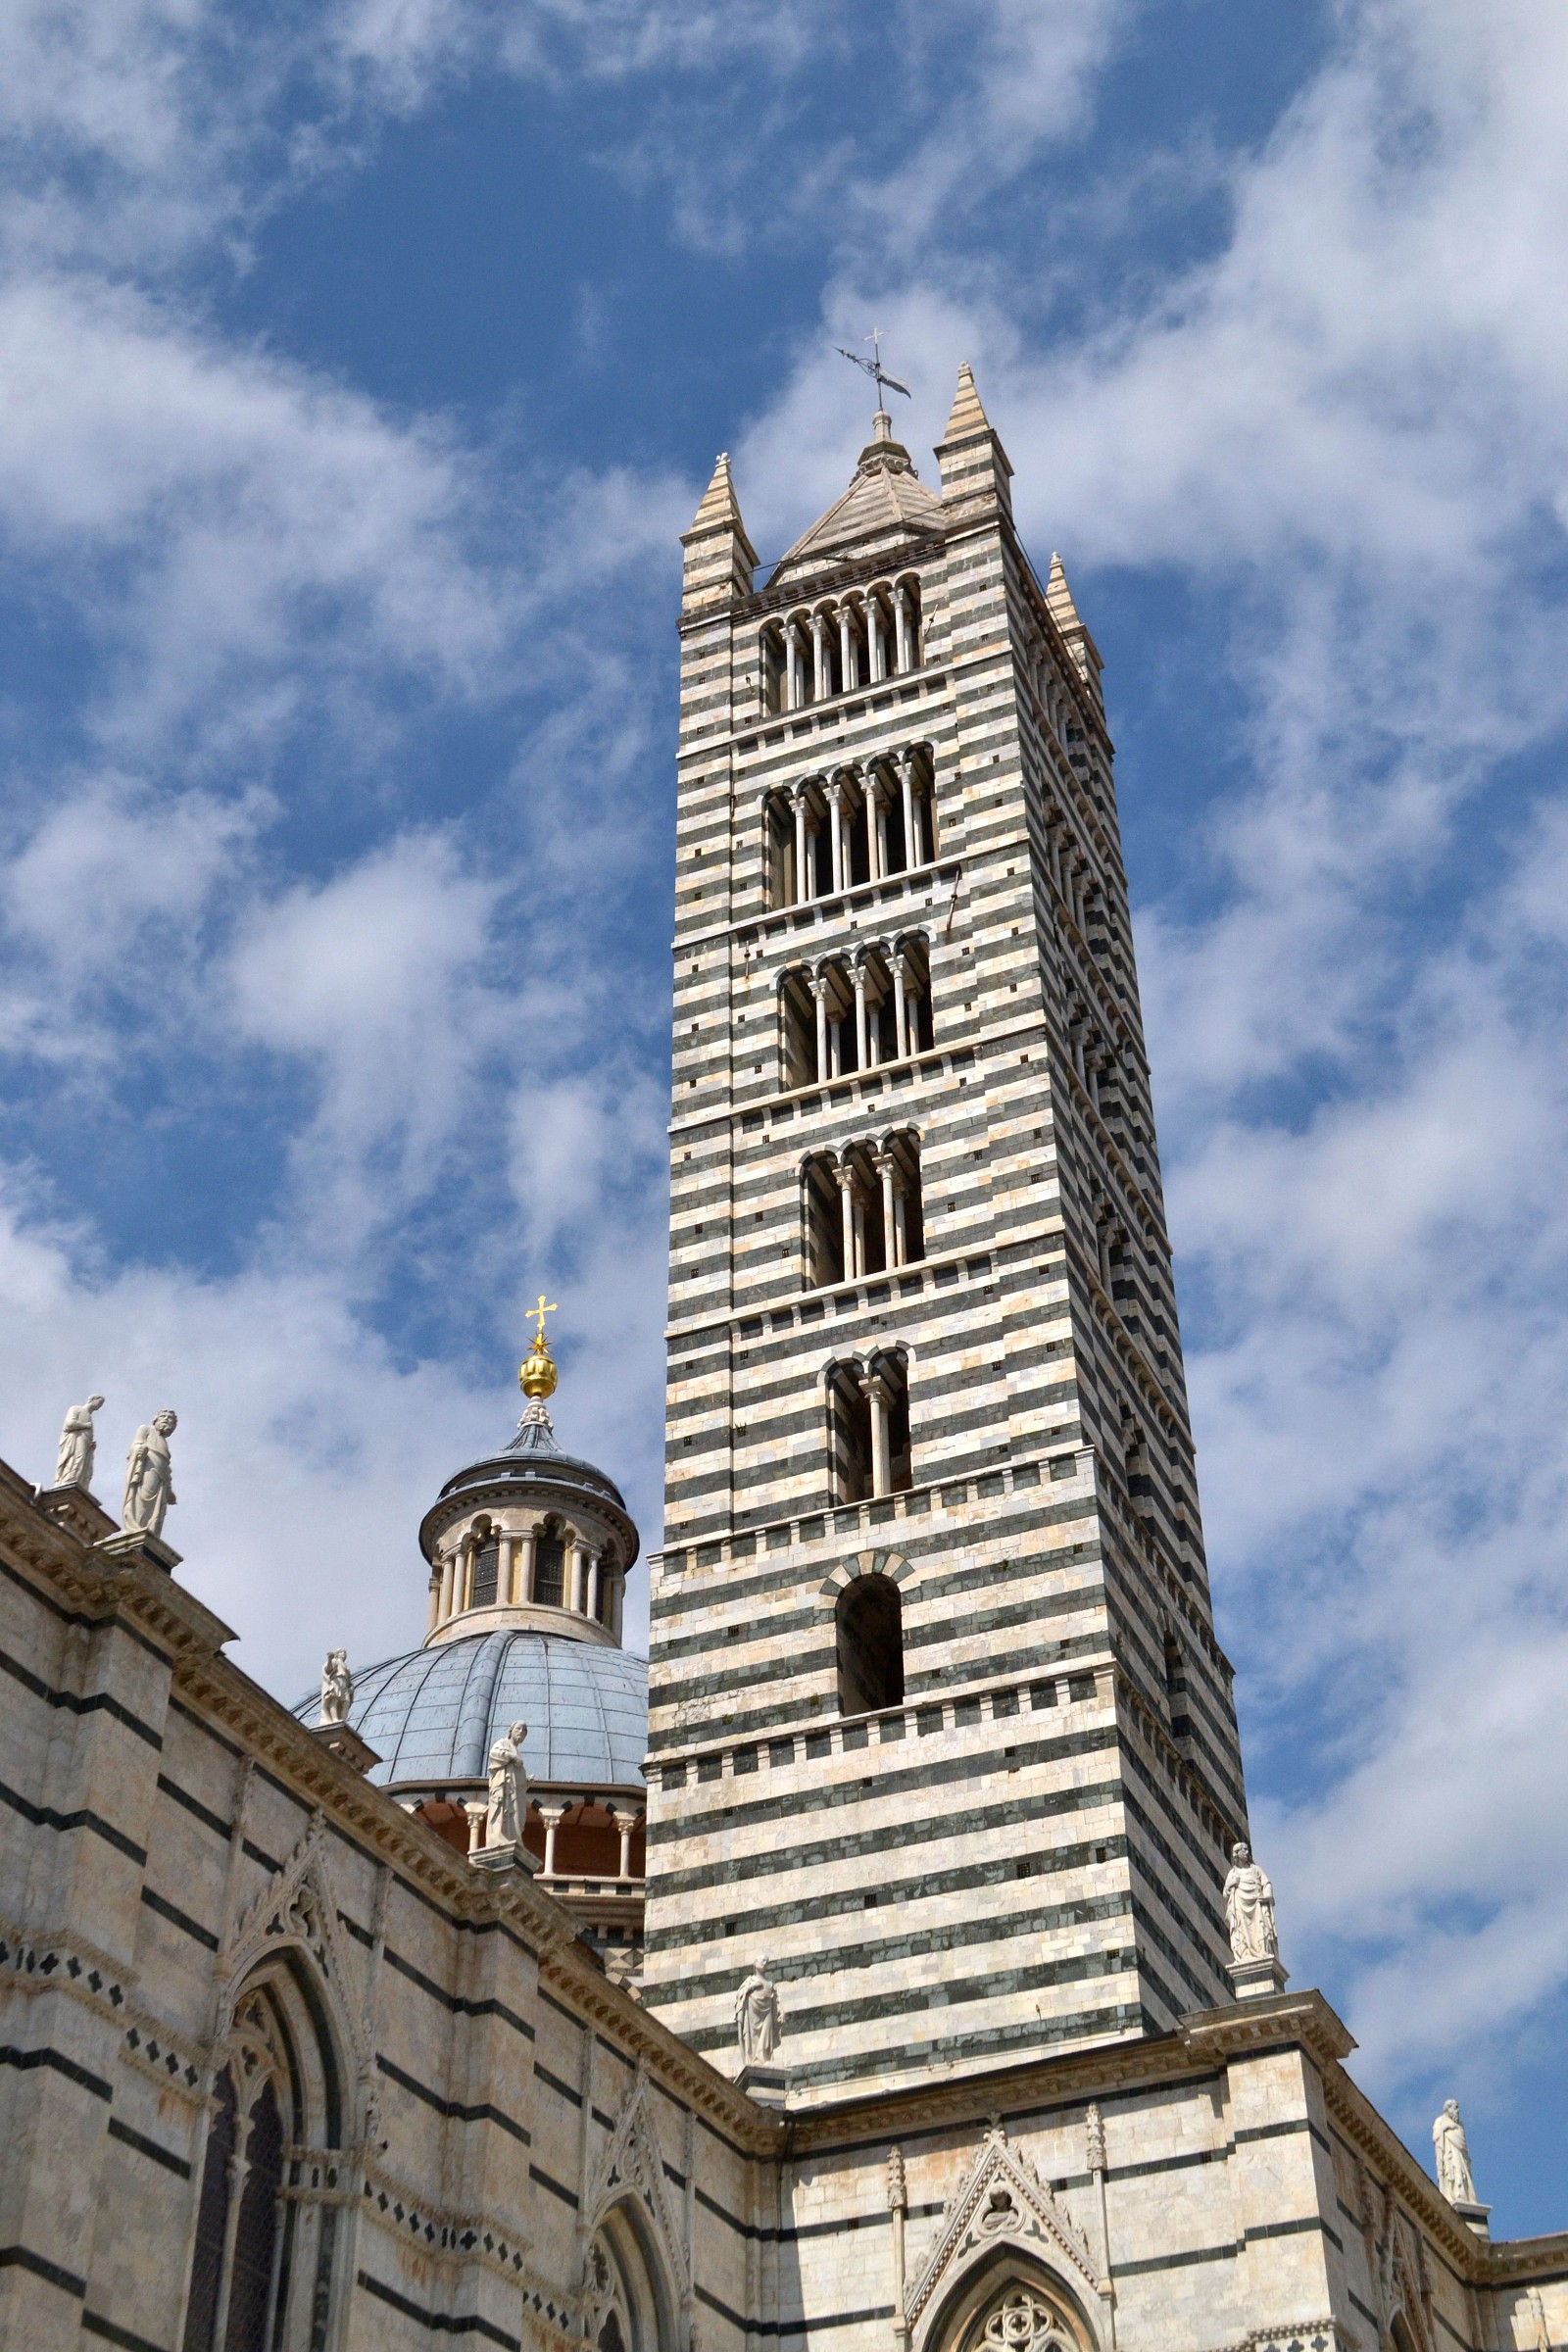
{"type": "Point", "coordinates": [847, 647]}
{"type": "Point", "coordinates": [873, 640]}
{"type": "Point", "coordinates": [901, 612]}
{"type": "Point", "coordinates": [862, 1057]}
{"type": "Point", "coordinates": [579, 1576]}
{"type": "Point", "coordinates": [793, 682]}
{"type": "Point", "coordinates": [877, 1396]}
{"type": "Point", "coordinates": [821, 679]}
{"type": "Point", "coordinates": [802, 849]}
{"type": "Point", "coordinates": [507, 1547]}
{"type": "Point", "coordinates": [845, 1177]}
{"type": "Point", "coordinates": [835, 818]}
{"type": "Point", "coordinates": [595, 1571]}
{"type": "Point", "coordinates": [449, 1568]}
{"type": "Point", "coordinates": [433, 1616]}
{"type": "Point", "coordinates": [901, 1006]}
{"type": "Point", "coordinates": [526, 1543]}
{"type": "Point", "coordinates": [819, 989]}
{"type": "Point", "coordinates": [913, 846]}
{"type": "Point", "coordinates": [891, 1205]}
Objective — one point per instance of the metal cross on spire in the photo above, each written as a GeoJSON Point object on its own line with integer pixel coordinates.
{"type": "Point", "coordinates": [540, 1312]}
{"type": "Point", "coordinates": [874, 367]}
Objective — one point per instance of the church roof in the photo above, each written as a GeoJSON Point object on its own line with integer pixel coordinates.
{"type": "Point", "coordinates": [432, 1715]}
{"type": "Point", "coordinates": [533, 1453]}
{"type": "Point", "coordinates": [885, 501]}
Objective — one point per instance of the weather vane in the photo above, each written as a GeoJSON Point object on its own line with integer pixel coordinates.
{"type": "Point", "coordinates": [540, 1311]}
{"type": "Point", "coordinates": [874, 367]}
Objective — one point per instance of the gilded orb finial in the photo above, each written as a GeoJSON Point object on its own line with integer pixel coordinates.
{"type": "Point", "coordinates": [538, 1375]}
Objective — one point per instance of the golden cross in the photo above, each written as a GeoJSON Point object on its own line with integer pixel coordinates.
{"type": "Point", "coordinates": [541, 1311]}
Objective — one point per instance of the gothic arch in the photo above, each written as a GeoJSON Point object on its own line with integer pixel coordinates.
{"type": "Point", "coordinates": [1005, 2232]}
{"type": "Point", "coordinates": [1011, 2301]}
{"type": "Point", "coordinates": [636, 2268]}
{"type": "Point", "coordinates": [632, 2305]}
{"type": "Point", "coordinates": [268, 2246]}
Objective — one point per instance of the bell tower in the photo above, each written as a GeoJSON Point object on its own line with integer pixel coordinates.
{"type": "Point", "coordinates": [939, 1727]}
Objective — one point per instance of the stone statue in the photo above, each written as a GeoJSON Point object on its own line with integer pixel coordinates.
{"type": "Point", "coordinates": [1452, 2151]}
{"type": "Point", "coordinates": [508, 1789]}
{"type": "Point", "coordinates": [77, 1445]}
{"type": "Point", "coordinates": [149, 1477]}
{"type": "Point", "coordinates": [758, 2022]}
{"type": "Point", "coordinates": [337, 1688]}
{"type": "Point", "coordinates": [1249, 1908]}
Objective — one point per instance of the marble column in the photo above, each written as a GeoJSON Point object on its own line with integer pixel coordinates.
{"type": "Point", "coordinates": [845, 1177]}
{"type": "Point", "coordinates": [506, 1593]}
{"type": "Point", "coordinates": [913, 846]}
{"type": "Point", "coordinates": [901, 613]}
{"type": "Point", "coordinates": [901, 1006]}
{"type": "Point", "coordinates": [449, 1570]}
{"type": "Point", "coordinates": [821, 680]}
{"type": "Point", "coordinates": [819, 989]}
{"type": "Point", "coordinates": [883, 1166]}
{"type": "Point", "coordinates": [848, 666]}
{"type": "Point", "coordinates": [860, 1054]}
{"type": "Point", "coordinates": [835, 818]}
{"type": "Point", "coordinates": [627, 1825]}
{"type": "Point", "coordinates": [552, 1816]}
{"type": "Point", "coordinates": [877, 1396]}
{"type": "Point", "coordinates": [803, 850]}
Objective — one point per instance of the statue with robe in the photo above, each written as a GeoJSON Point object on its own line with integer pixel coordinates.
{"type": "Point", "coordinates": [337, 1688]}
{"type": "Point", "coordinates": [758, 2021]}
{"type": "Point", "coordinates": [149, 1477]}
{"type": "Point", "coordinates": [1249, 1908]}
{"type": "Point", "coordinates": [77, 1445]}
{"type": "Point", "coordinates": [507, 1808]}
{"type": "Point", "coordinates": [1453, 2152]}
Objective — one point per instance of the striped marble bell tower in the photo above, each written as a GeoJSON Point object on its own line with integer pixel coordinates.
{"type": "Point", "coordinates": [939, 1726]}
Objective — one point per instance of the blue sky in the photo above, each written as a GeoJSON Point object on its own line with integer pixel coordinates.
{"type": "Point", "coordinates": [360, 363]}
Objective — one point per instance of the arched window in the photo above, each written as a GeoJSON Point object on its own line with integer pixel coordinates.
{"type": "Point", "coordinates": [848, 1435]}
{"type": "Point", "coordinates": [1025, 2318]}
{"type": "Point", "coordinates": [486, 1567]}
{"type": "Point", "coordinates": [863, 1210]}
{"type": "Point", "coordinates": [549, 1566]}
{"type": "Point", "coordinates": [780, 883]}
{"type": "Point", "coordinates": [870, 1626]}
{"type": "Point", "coordinates": [868, 1443]}
{"type": "Point", "coordinates": [240, 2272]}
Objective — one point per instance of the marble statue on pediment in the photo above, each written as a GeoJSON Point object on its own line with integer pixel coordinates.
{"type": "Point", "coordinates": [1453, 2152]}
{"type": "Point", "coordinates": [337, 1688]}
{"type": "Point", "coordinates": [1249, 1908]}
{"type": "Point", "coordinates": [758, 2022]}
{"type": "Point", "coordinates": [149, 1477]}
{"type": "Point", "coordinates": [507, 1806]}
{"type": "Point", "coordinates": [77, 1445]}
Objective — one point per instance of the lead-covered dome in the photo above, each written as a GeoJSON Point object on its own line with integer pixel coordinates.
{"type": "Point", "coordinates": [432, 1715]}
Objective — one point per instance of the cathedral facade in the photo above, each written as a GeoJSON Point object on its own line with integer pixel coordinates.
{"type": "Point", "coordinates": [886, 1971]}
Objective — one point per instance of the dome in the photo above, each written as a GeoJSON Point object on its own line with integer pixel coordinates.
{"type": "Point", "coordinates": [431, 1715]}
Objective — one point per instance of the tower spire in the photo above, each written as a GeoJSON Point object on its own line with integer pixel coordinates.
{"type": "Point", "coordinates": [720, 559]}
{"type": "Point", "coordinates": [976, 473]}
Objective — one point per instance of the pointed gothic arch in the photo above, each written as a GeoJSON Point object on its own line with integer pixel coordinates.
{"type": "Point", "coordinates": [636, 2268]}
{"type": "Point", "coordinates": [263, 2265]}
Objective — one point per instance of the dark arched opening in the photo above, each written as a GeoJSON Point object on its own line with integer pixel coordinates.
{"type": "Point", "coordinates": [871, 1645]}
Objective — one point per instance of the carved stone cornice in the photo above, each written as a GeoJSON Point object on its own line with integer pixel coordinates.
{"type": "Point", "coordinates": [1276, 2021]}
